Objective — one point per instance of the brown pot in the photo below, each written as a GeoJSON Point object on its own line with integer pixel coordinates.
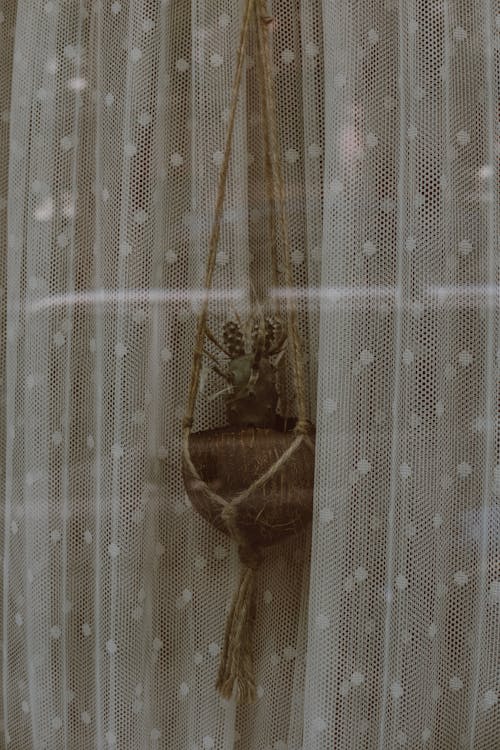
{"type": "Point", "coordinates": [230, 459]}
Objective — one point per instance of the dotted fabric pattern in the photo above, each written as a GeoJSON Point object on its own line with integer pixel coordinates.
{"type": "Point", "coordinates": [380, 626]}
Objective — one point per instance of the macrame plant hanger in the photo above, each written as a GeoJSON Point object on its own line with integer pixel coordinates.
{"type": "Point", "coordinates": [236, 672]}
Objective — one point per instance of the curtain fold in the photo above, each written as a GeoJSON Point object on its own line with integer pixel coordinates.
{"type": "Point", "coordinates": [378, 627]}
{"type": "Point", "coordinates": [408, 404]}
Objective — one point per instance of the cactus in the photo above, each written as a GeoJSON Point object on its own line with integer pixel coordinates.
{"type": "Point", "coordinates": [233, 339]}
{"type": "Point", "coordinates": [251, 396]}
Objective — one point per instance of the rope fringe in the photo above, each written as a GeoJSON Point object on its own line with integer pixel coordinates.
{"type": "Point", "coordinates": [236, 672]}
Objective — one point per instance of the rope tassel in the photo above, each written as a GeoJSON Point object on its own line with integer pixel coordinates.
{"type": "Point", "coordinates": [236, 672]}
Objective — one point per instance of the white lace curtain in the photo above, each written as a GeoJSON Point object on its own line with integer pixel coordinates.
{"type": "Point", "coordinates": [380, 627]}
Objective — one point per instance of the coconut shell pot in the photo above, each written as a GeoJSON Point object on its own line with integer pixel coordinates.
{"type": "Point", "coordinates": [230, 459]}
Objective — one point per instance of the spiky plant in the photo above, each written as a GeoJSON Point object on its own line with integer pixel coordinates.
{"type": "Point", "coordinates": [250, 373]}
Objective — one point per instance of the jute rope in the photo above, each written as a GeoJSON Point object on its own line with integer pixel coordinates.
{"type": "Point", "coordinates": [236, 674]}
{"type": "Point", "coordinates": [278, 185]}
{"type": "Point", "coordinates": [273, 235]}
{"type": "Point", "coordinates": [215, 233]}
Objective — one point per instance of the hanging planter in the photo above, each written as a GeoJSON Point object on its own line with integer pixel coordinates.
{"type": "Point", "coordinates": [252, 479]}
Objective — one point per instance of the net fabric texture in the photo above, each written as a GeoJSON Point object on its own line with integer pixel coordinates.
{"type": "Point", "coordinates": [113, 120]}
{"type": "Point", "coordinates": [404, 598]}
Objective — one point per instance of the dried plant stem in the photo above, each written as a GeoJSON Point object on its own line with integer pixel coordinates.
{"type": "Point", "coordinates": [236, 672]}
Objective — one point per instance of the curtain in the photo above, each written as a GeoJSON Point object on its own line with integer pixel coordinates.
{"type": "Point", "coordinates": [379, 626]}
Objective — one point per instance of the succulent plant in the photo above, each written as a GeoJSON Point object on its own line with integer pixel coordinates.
{"type": "Point", "coordinates": [233, 339]}
{"type": "Point", "coordinates": [251, 394]}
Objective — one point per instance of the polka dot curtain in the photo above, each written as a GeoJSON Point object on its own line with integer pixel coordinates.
{"type": "Point", "coordinates": [379, 627]}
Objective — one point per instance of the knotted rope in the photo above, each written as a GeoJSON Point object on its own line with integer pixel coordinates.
{"type": "Point", "coordinates": [236, 673]}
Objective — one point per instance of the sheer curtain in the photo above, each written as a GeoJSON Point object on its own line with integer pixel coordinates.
{"type": "Point", "coordinates": [380, 626]}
